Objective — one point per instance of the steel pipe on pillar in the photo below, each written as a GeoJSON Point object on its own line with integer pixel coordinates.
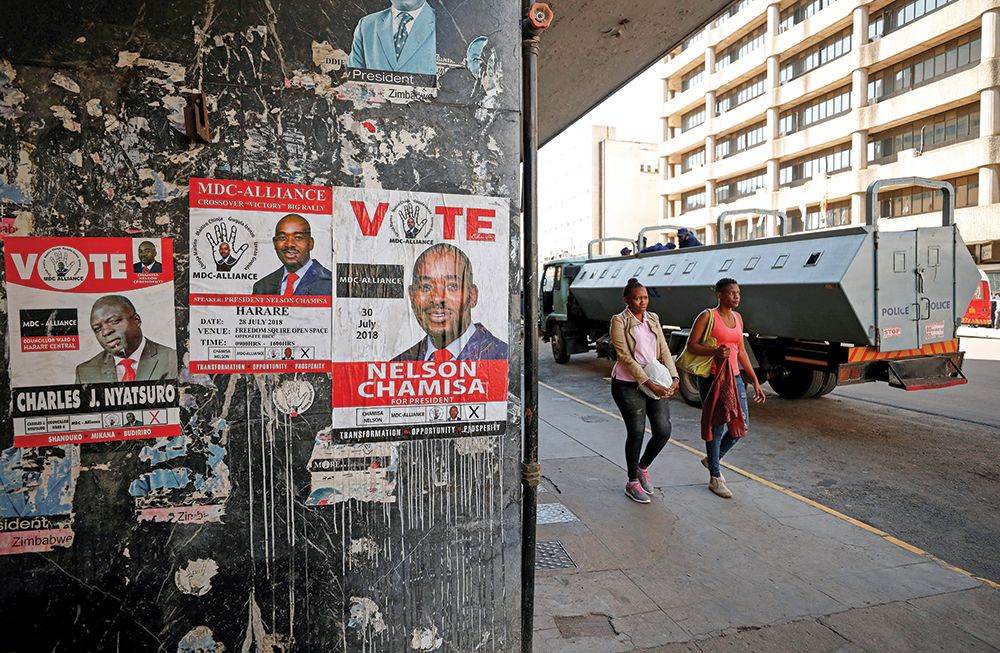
{"type": "Point", "coordinates": [537, 16]}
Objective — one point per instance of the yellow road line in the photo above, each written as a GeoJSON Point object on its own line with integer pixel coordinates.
{"type": "Point", "coordinates": [868, 527]}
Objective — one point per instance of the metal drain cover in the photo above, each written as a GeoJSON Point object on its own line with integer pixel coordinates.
{"type": "Point", "coordinates": [550, 555]}
{"type": "Point", "coordinates": [553, 513]}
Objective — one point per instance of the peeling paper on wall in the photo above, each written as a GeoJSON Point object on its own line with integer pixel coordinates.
{"type": "Point", "coordinates": [195, 578]}
{"type": "Point", "coordinates": [10, 98]}
{"type": "Point", "coordinates": [200, 640]}
{"type": "Point", "coordinates": [425, 639]}
{"type": "Point", "coordinates": [66, 116]}
{"type": "Point", "coordinates": [180, 494]}
{"type": "Point", "coordinates": [65, 82]}
{"type": "Point", "coordinates": [37, 486]}
{"type": "Point", "coordinates": [365, 472]}
{"type": "Point", "coordinates": [363, 547]}
{"type": "Point", "coordinates": [366, 615]}
{"type": "Point", "coordinates": [18, 189]}
{"type": "Point", "coordinates": [328, 58]}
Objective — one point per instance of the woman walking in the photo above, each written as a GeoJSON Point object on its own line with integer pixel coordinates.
{"type": "Point", "coordinates": [638, 339]}
{"type": "Point", "coordinates": [727, 329]}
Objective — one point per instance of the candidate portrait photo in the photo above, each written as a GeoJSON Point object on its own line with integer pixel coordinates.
{"type": "Point", "coordinates": [401, 38]}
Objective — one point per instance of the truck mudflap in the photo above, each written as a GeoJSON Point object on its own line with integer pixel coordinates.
{"type": "Point", "coordinates": [924, 373]}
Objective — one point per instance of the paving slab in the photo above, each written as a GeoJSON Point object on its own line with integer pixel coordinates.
{"type": "Point", "coordinates": [976, 611]}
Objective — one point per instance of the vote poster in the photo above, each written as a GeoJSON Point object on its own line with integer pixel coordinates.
{"type": "Point", "coordinates": [93, 351]}
{"type": "Point", "coordinates": [421, 313]}
{"type": "Point", "coordinates": [260, 281]}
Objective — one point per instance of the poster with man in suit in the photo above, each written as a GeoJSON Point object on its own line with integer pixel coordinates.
{"type": "Point", "coordinates": [426, 315]}
{"type": "Point", "coordinates": [93, 342]}
{"type": "Point", "coordinates": [260, 281]}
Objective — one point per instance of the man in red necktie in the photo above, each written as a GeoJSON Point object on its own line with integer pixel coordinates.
{"type": "Point", "coordinates": [299, 274]}
{"type": "Point", "coordinates": [127, 355]}
{"type": "Point", "coordinates": [147, 263]}
{"type": "Point", "coordinates": [442, 296]}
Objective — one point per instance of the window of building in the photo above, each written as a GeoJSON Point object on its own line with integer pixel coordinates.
{"type": "Point", "coordinates": [837, 214]}
{"type": "Point", "coordinates": [693, 78]}
{"type": "Point", "coordinates": [916, 200]}
{"type": "Point", "coordinates": [821, 54]}
{"type": "Point", "coordinates": [741, 48]}
{"type": "Point", "coordinates": [692, 119]}
{"type": "Point", "coordinates": [694, 38]}
{"type": "Point", "coordinates": [901, 13]}
{"type": "Point", "coordinates": [925, 134]}
{"type": "Point", "coordinates": [798, 171]}
{"type": "Point", "coordinates": [740, 141]}
{"type": "Point", "coordinates": [930, 66]}
{"type": "Point", "coordinates": [759, 227]}
{"type": "Point", "coordinates": [692, 160]}
{"type": "Point", "coordinates": [823, 107]}
{"type": "Point", "coordinates": [733, 9]}
{"type": "Point", "coordinates": [692, 201]}
{"type": "Point", "coordinates": [700, 233]}
{"type": "Point", "coordinates": [800, 11]}
{"type": "Point", "coordinates": [745, 92]}
{"type": "Point", "coordinates": [732, 189]}
{"type": "Point", "coordinates": [742, 231]}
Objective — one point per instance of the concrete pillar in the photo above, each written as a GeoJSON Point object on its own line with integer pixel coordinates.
{"type": "Point", "coordinates": [709, 61]}
{"type": "Point", "coordinates": [773, 71]}
{"type": "Point", "coordinates": [857, 208]}
{"type": "Point", "coordinates": [773, 18]}
{"type": "Point", "coordinates": [991, 34]}
{"type": "Point", "coordinates": [772, 124]}
{"type": "Point", "coordinates": [859, 150]}
{"type": "Point", "coordinates": [989, 112]}
{"type": "Point", "coordinates": [709, 105]}
{"type": "Point", "coordinates": [710, 193]}
{"type": "Point", "coordinates": [772, 174]}
{"type": "Point", "coordinates": [989, 185]}
{"type": "Point", "coordinates": [859, 88]}
{"type": "Point", "coordinates": [860, 34]}
{"type": "Point", "coordinates": [710, 149]}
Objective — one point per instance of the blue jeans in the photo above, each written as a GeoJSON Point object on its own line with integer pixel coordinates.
{"type": "Point", "coordinates": [635, 406]}
{"type": "Point", "coordinates": [720, 444]}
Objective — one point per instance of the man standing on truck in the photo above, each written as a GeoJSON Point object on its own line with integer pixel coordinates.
{"type": "Point", "coordinates": [687, 239]}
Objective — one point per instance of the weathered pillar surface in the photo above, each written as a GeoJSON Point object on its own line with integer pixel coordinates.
{"type": "Point", "coordinates": [210, 539]}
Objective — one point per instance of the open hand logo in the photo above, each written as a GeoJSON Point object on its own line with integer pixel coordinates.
{"type": "Point", "coordinates": [226, 252]}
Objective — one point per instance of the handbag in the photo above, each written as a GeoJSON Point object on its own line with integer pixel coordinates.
{"type": "Point", "coordinates": [693, 363]}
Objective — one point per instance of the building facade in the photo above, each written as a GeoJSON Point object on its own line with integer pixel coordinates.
{"type": "Point", "coordinates": [596, 188]}
{"type": "Point", "coordinates": [799, 105]}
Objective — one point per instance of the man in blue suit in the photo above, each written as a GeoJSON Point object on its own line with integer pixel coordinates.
{"type": "Point", "coordinates": [402, 38]}
{"type": "Point", "coordinates": [299, 274]}
{"type": "Point", "coordinates": [147, 263]}
{"type": "Point", "coordinates": [442, 296]}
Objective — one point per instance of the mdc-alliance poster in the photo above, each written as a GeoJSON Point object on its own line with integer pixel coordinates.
{"type": "Point", "coordinates": [93, 346]}
{"type": "Point", "coordinates": [421, 310]}
{"type": "Point", "coordinates": [260, 285]}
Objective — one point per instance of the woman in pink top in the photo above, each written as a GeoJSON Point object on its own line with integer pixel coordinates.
{"type": "Point", "coordinates": [638, 339]}
{"type": "Point", "coordinates": [727, 329]}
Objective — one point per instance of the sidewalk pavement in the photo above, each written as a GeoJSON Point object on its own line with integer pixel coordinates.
{"type": "Point", "coordinates": [764, 571]}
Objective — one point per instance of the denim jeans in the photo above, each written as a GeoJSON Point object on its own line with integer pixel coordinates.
{"type": "Point", "coordinates": [721, 444]}
{"type": "Point", "coordinates": [635, 406]}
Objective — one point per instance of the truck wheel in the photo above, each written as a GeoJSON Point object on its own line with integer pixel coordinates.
{"type": "Point", "coordinates": [558, 344]}
{"type": "Point", "coordinates": [829, 383]}
{"type": "Point", "coordinates": [688, 386]}
{"type": "Point", "coordinates": [799, 383]}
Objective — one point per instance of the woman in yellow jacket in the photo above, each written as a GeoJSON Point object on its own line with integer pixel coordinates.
{"type": "Point", "coordinates": [638, 339]}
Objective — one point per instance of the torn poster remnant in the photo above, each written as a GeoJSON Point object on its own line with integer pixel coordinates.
{"type": "Point", "coordinates": [340, 472]}
{"type": "Point", "coordinates": [196, 577]}
{"type": "Point", "coordinates": [37, 487]}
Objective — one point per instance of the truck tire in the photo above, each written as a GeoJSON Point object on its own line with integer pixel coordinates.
{"type": "Point", "coordinates": [829, 383]}
{"type": "Point", "coordinates": [800, 382]}
{"type": "Point", "coordinates": [688, 386]}
{"type": "Point", "coordinates": [558, 344]}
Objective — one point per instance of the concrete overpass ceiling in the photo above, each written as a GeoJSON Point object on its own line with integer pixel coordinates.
{"type": "Point", "coordinates": [594, 47]}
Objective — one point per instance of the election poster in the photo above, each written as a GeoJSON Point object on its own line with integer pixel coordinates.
{"type": "Point", "coordinates": [421, 315]}
{"type": "Point", "coordinates": [260, 281]}
{"type": "Point", "coordinates": [93, 346]}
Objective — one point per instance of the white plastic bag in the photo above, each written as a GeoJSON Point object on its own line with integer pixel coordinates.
{"type": "Point", "coordinates": [658, 374]}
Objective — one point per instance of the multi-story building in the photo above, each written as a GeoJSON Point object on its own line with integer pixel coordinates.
{"type": "Point", "coordinates": [596, 188]}
{"type": "Point", "coordinates": [799, 105]}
